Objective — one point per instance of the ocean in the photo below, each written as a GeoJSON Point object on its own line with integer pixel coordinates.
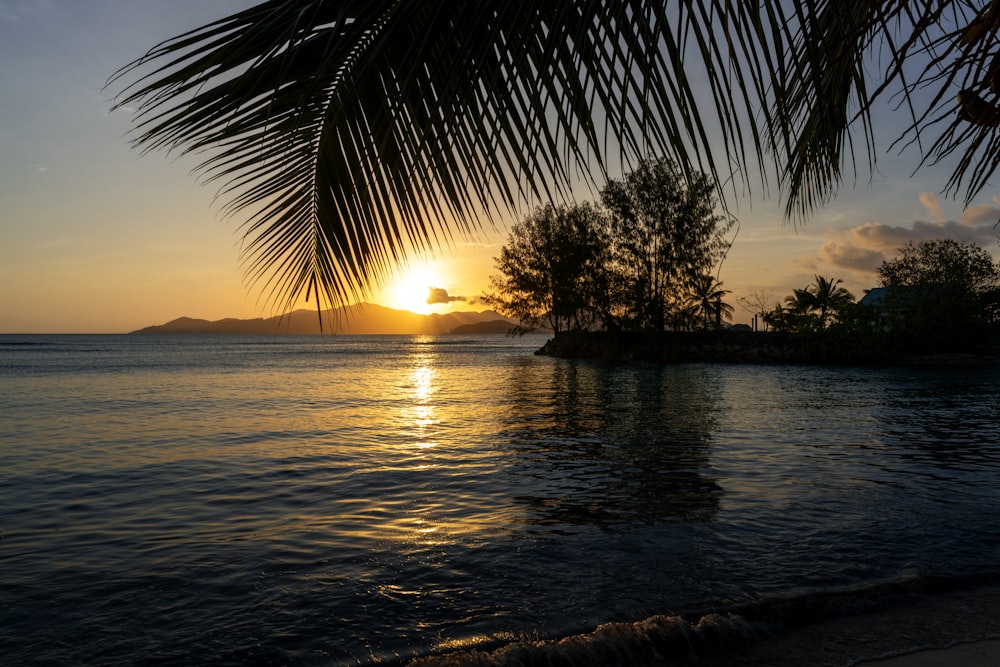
{"type": "Point", "coordinates": [341, 500]}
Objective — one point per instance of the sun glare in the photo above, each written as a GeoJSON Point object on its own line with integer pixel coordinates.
{"type": "Point", "coordinates": [412, 287]}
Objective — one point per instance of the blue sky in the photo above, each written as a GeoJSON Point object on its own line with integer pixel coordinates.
{"type": "Point", "coordinates": [96, 237]}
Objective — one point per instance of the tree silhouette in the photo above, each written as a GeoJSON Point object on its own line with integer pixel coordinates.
{"type": "Point", "coordinates": [828, 297]}
{"type": "Point", "coordinates": [707, 293]}
{"type": "Point", "coordinates": [665, 235]}
{"type": "Point", "coordinates": [810, 308]}
{"type": "Point", "coordinates": [759, 302]}
{"type": "Point", "coordinates": [942, 293]}
{"type": "Point", "coordinates": [349, 134]}
{"type": "Point", "coordinates": [552, 269]}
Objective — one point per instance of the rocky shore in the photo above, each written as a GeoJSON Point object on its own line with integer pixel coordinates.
{"type": "Point", "coordinates": [729, 346]}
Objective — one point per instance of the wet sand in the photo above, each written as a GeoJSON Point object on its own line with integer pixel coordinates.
{"type": "Point", "coordinates": [957, 628]}
{"type": "Point", "coordinates": [978, 654]}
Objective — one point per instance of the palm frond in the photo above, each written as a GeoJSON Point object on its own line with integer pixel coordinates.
{"type": "Point", "coordinates": [349, 134]}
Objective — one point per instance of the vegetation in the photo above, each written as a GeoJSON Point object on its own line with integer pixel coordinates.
{"type": "Point", "coordinates": [347, 135]}
{"type": "Point", "coordinates": [759, 302]}
{"type": "Point", "coordinates": [665, 236]}
{"type": "Point", "coordinates": [551, 269]}
{"type": "Point", "coordinates": [811, 308]}
{"type": "Point", "coordinates": [935, 296]}
{"type": "Point", "coordinates": [942, 293]}
{"type": "Point", "coordinates": [706, 295]}
{"type": "Point", "coordinates": [641, 261]}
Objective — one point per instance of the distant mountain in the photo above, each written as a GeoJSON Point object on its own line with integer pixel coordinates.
{"type": "Point", "coordinates": [490, 327]}
{"type": "Point", "coordinates": [366, 318]}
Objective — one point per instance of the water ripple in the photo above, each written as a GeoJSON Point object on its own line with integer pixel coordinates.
{"type": "Point", "coordinates": [338, 500]}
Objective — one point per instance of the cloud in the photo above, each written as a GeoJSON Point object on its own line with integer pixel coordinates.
{"type": "Point", "coordinates": [440, 295]}
{"type": "Point", "coordinates": [863, 248]}
{"type": "Point", "coordinates": [982, 214]}
{"type": "Point", "coordinates": [932, 205]}
{"type": "Point", "coordinates": [851, 257]}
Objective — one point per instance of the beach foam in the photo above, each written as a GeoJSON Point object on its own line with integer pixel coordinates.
{"type": "Point", "coordinates": [843, 627]}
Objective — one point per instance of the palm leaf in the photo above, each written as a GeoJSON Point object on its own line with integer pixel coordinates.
{"type": "Point", "coordinates": [350, 134]}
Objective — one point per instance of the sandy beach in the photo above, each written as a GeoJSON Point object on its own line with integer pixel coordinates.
{"type": "Point", "coordinates": [954, 628]}
{"type": "Point", "coordinates": [976, 654]}
{"type": "Point", "coordinates": [958, 628]}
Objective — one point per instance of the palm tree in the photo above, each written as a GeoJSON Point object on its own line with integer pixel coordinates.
{"type": "Point", "coordinates": [707, 293]}
{"type": "Point", "coordinates": [825, 296]}
{"type": "Point", "coordinates": [349, 134]}
{"type": "Point", "coordinates": [801, 301]}
{"type": "Point", "coordinates": [828, 297]}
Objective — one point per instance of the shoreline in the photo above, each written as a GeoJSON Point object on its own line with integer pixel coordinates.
{"type": "Point", "coordinates": [937, 626]}
{"type": "Point", "coordinates": [916, 623]}
{"type": "Point", "coordinates": [742, 347]}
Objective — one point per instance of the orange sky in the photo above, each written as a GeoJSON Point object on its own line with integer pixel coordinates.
{"type": "Point", "coordinates": [95, 237]}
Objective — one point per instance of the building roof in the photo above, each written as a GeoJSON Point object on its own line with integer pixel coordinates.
{"type": "Point", "coordinates": [875, 296]}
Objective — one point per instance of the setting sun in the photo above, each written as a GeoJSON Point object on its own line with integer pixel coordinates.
{"type": "Point", "coordinates": [412, 287]}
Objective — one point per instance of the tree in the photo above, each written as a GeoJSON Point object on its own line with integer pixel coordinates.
{"type": "Point", "coordinates": [759, 302]}
{"type": "Point", "coordinates": [942, 292]}
{"type": "Point", "coordinates": [348, 134]}
{"type": "Point", "coordinates": [665, 236]}
{"type": "Point", "coordinates": [800, 301]}
{"type": "Point", "coordinates": [707, 293]}
{"type": "Point", "coordinates": [825, 296]}
{"type": "Point", "coordinates": [797, 315]}
{"type": "Point", "coordinates": [810, 308]}
{"type": "Point", "coordinates": [551, 271]}
{"type": "Point", "coordinates": [829, 298]}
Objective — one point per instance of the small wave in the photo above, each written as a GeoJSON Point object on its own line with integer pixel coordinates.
{"type": "Point", "coordinates": [651, 641]}
{"type": "Point", "coordinates": [661, 639]}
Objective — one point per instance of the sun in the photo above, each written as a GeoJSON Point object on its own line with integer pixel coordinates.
{"type": "Point", "coordinates": [411, 288]}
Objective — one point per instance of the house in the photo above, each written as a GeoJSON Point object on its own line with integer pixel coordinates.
{"type": "Point", "coordinates": [876, 296]}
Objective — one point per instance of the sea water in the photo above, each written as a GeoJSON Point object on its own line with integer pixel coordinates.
{"type": "Point", "coordinates": [329, 500]}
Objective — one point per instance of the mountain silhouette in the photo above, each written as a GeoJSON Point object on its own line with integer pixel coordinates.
{"type": "Point", "coordinates": [364, 318]}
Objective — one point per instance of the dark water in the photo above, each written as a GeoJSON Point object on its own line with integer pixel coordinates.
{"type": "Point", "coordinates": [341, 500]}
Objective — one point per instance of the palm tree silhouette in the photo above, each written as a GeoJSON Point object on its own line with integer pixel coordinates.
{"type": "Point", "coordinates": [350, 134]}
{"type": "Point", "coordinates": [829, 297]}
{"type": "Point", "coordinates": [825, 296]}
{"type": "Point", "coordinates": [801, 300]}
{"type": "Point", "coordinates": [707, 295]}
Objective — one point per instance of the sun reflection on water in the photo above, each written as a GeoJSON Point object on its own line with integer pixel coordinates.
{"type": "Point", "coordinates": [421, 409]}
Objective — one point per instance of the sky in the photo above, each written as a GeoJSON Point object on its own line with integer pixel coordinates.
{"type": "Point", "coordinates": [96, 237]}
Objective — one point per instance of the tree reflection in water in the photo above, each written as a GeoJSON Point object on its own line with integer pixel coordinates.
{"type": "Point", "coordinates": [611, 446]}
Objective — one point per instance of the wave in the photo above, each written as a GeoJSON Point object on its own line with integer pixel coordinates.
{"type": "Point", "coordinates": [670, 639]}
{"type": "Point", "coordinates": [647, 642]}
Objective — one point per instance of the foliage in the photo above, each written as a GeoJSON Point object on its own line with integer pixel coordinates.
{"type": "Point", "coordinates": [706, 296]}
{"type": "Point", "coordinates": [665, 236]}
{"type": "Point", "coordinates": [811, 308]}
{"type": "Point", "coordinates": [941, 292]}
{"type": "Point", "coordinates": [350, 133]}
{"type": "Point", "coordinates": [792, 320]}
{"type": "Point", "coordinates": [639, 263]}
{"type": "Point", "coordinates": [829, 298]}
{"type": "Point", "coordinates": [552, 268]}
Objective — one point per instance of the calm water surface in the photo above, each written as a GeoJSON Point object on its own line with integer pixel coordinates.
{"type": "Point", "coordinates": [342, 500]}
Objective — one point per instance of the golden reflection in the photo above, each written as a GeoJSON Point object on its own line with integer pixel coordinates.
{"type": "Point", "coordinates": [421, 410]}
{"type": "Point", "coordinates": [428, 515]}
